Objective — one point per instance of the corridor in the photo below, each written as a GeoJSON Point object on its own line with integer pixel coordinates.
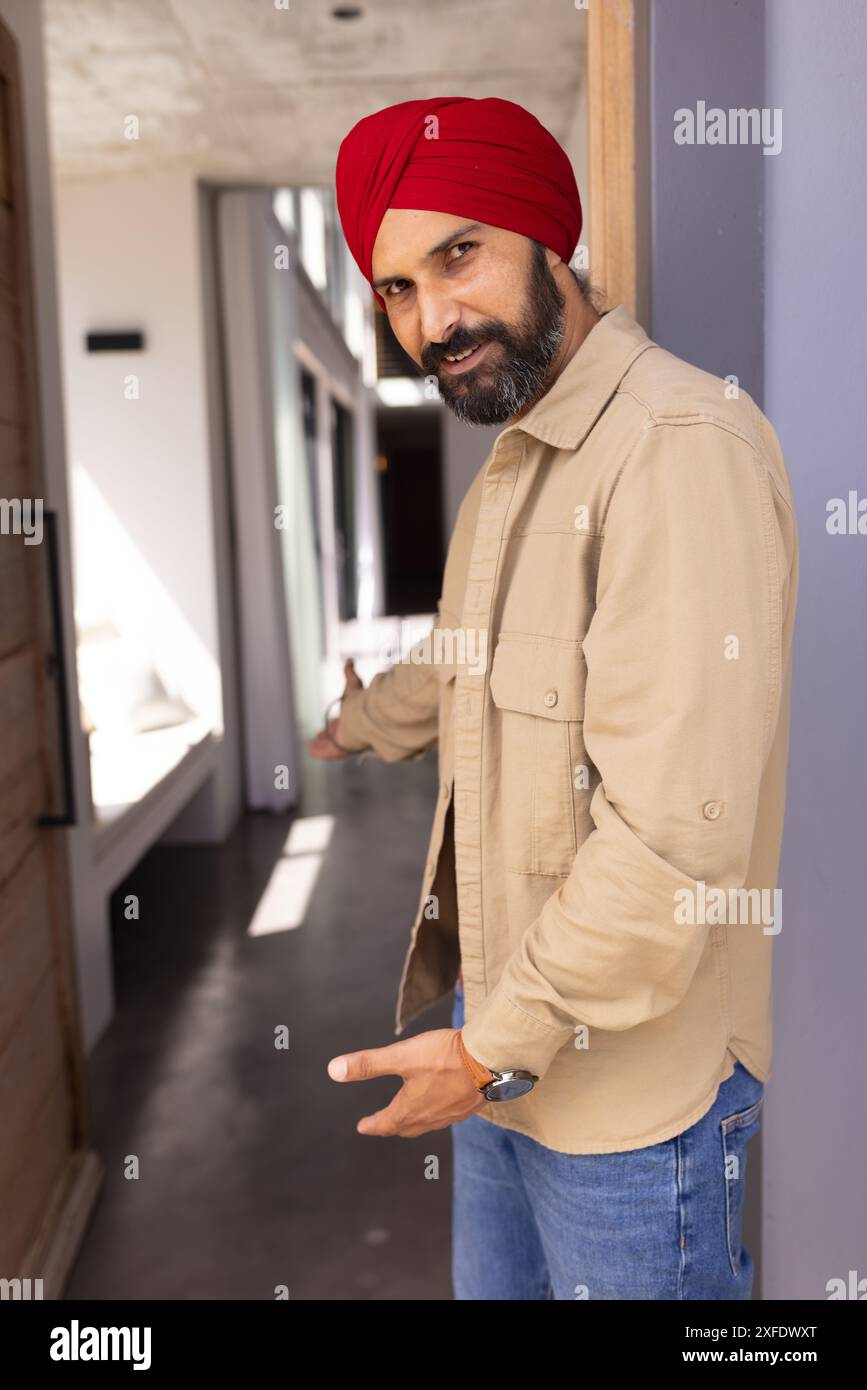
{"type": "Point", "coordinates": [251, 1173]}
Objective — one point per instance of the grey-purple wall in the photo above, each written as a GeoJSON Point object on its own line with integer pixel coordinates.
{"type": "Point", "coordinates": [706, 201]}
{"type": "Point", "coordinates": [758, 268]}
{"type": "Point", "coordinates": [815, 1159]}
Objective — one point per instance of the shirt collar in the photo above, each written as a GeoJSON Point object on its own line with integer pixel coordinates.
{"type": "Point", "coordinates": [567, 412]}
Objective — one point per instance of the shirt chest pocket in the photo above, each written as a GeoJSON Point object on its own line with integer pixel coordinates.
{"type": "Point", "coordinates": [546, 779]}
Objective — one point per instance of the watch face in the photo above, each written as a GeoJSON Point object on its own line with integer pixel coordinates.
{"type": "Point", "coordinates": [510, 1088]}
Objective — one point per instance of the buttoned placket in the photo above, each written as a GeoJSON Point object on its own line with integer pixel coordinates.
{"type": "Point", "coordinates": [498, 490]}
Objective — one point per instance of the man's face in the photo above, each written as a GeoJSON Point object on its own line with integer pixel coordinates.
{"type": "Point", "coordinates": [453, 284]}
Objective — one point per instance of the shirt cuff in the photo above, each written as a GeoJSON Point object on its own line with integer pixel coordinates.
{"type": "Point", "coordinates": [504, 1037]}
{"type": "Point", "coordinates": [358, 734]}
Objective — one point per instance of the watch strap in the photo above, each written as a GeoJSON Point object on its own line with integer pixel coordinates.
{"type": "Point", "coordinates": [482, 1076]}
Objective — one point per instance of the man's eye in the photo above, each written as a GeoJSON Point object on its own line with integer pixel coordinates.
{"type": "Point", "coordinates": [392, 293]}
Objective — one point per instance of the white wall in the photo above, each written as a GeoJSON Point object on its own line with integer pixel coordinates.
{"type": "Point", "coordinates": [215, 809]}
{"type": "Point", "coordinates": [261, 403]}
{"type": "Point", "coordinates": [129, 256]}
{"type": "Point", "coordinates": [150, 528]}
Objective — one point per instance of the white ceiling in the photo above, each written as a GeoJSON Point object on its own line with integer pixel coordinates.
{"type": "Point", "coordinates": [241, 91]}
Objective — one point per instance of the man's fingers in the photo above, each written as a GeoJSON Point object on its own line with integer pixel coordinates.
{"type": "Point", "coordinates": [322, 747]}
{"type": "Point", "coordinates": [397, 1118]}
{"type": "Point", "coordinates": [387, 1122]}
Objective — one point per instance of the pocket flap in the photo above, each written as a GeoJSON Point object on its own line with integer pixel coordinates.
{"type": "Point", "coordinates": [537, 675]}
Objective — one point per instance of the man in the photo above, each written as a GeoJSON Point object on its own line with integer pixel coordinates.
{"type": "Point", "coordinates": [604, 852]}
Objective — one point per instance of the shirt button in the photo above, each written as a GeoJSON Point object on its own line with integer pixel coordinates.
{"type": "Point", "coordinates": [550, 697]}
{"type": "Point", "coordinates": [444, 791]}
{"type": "Point", "coordinates": [712, 810]}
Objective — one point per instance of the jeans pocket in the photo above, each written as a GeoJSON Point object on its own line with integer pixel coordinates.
{"type": "Point", "coordinates": [737, 1130]}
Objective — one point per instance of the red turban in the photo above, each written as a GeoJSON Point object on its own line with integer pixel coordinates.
{"type": "Point", "coordinates": [486, 159]}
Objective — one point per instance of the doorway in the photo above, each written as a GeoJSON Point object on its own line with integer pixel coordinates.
{"type": "Point", "coordinates": [410, 470]}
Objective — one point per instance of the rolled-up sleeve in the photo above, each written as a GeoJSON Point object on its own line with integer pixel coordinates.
{"type": "Point", "coordinates": [682, 698]}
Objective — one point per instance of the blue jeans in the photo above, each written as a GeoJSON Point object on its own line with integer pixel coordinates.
{"type": "Point", "coordinates": [662, 1222]}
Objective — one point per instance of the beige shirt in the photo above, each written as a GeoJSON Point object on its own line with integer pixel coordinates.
{"type": "Point", "coordinates": [613, 771]}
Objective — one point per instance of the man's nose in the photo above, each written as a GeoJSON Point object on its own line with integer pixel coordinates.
{"type": "Point", "coordinates": [439, 316]}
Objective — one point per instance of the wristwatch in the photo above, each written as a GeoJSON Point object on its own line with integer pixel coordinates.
{"type": "Point", "coordinates": [496, 1085]}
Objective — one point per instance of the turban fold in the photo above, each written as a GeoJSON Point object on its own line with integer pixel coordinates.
{"type": "Point", "coordinates": [486, 159]}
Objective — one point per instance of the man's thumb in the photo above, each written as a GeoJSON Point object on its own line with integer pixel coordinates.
{"type": "Point", "coordinates": [353, 680]}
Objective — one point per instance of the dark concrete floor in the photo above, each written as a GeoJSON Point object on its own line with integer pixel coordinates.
{"type": "Point", "coordinates": [251, 1172]}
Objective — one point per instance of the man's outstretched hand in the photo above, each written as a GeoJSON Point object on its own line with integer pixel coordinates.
{"type": "Point", "coordinates": [437, 1089]}
{"type": "Point", "coordinates": [321, 746]}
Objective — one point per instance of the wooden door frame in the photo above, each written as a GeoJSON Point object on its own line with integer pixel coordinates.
{"type": "Point", "coordinates": [54, 1246]}
{"type": "Point", "coordinates": [619, 148]}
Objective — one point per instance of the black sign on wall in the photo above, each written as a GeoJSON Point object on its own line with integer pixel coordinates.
{"type": "Point", "coordinates": [131, 340]}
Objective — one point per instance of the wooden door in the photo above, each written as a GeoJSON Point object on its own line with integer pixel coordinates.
{"type": "Point", "coordinates": [48, 1178]}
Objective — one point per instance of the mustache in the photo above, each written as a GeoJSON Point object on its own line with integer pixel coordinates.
{"type": "Point", "coordinates": [434, 354]}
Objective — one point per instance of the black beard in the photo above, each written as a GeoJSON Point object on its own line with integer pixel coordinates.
{"type": "Point", "coordinates": [498, 389]}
